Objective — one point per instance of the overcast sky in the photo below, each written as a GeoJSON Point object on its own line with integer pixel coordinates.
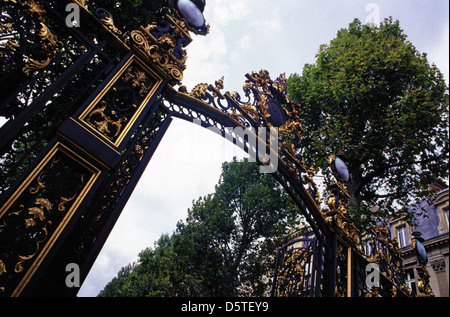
{"type": "Point", "coordinates": [245, 36]}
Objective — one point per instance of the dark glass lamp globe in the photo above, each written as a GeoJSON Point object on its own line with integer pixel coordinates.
{"type": "Point", "coordinates": [422, 252]}
{"type": "Point", "coordinates": [341, 169]}
{"type": "Point", "coordinates": [192, 11]}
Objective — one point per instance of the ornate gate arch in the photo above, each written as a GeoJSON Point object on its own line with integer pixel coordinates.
{"type": "Point", "coordinates": [87, 105]}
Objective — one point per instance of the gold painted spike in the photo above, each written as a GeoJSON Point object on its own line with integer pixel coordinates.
{"type": "Point", "coordinates": [83, 3]}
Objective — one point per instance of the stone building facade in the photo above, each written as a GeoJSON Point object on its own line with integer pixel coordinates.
{"type": "Point", "coordinates": [432, 221]}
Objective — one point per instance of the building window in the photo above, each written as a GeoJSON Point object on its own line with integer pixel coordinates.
{"type": "Point", "coordinates": [402, 237]}
{"type": "Point", "coordinates": [368, 248]}
{"type": "Point", "coordinates": [410, 281]}
{"type": "Point", "coordinates": [447, 216]}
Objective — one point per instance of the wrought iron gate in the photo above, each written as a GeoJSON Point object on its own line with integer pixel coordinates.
{"type": "Point", "coordinates": [87, 105]}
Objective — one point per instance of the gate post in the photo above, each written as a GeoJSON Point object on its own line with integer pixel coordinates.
{"type": "Point", "coordinates": [85, 117]}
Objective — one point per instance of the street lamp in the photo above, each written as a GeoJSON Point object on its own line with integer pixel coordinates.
{"type": "Point", "coordinates": [192, 12]}
{"type": "Point", "coordinates": [339, 167]}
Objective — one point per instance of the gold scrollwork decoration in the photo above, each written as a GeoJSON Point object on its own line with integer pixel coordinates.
{"type": "Point", "coordinates": [2, 268]}
{"type": "Point", "coordinates": [138, 79]}
{"type": "Point", "coordinates": [37, 213]}
{"type": "Point", "coordinates": [109, 23]}
{"type": "Point", "coordinates": [158, 55]}
{"type": "Point", "coordinates": [33, 8]}
{"type": "Point", "coordinates": [48, 47]}
{"type": "Point", "coordinates": [103, 122]}
{"type": "Point", "coordinates": [199, 91]}
{"type": "Point", "coordinates": [160, 50]}
{"type": "Point", "coordinates": [294, 263]}
{"type": "Point", "coordinates": [34, 65]}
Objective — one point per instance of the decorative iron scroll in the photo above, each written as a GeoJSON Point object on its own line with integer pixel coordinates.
{"type": "Point", "coordinates": [164, 44]}
{"type": "Point", "coordinates": [266, 104]}
{"type": "Point", "coordinates": [342, 270]}
{"type": "Point", "coordinates": [386, 287]}
{"type": "Point", "coordinates": [109, 81]}
{"type": "Point", "coordinates": [26, 45]}
{"type": "Point", "coordinates": [32, 220]}
{"type": "Point", "coordinates": [38, 104]}
{"type": "Point", "coordinates": [295, 270]}
{"type": "Point", "coordinates": [385, 252]}
{"type": "Point", "coordinates": [116, 108]}
{"type": "Point", "coordinates": [36, 49]}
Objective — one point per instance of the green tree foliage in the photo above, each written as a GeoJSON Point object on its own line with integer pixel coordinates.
{"type": "Point", "coordinates": [372, 95]}
{"type": "Point", "coordinates": [225, 247]}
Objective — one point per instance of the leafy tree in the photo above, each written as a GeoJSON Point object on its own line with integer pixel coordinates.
{"type": "Point", "coordinates": [225, 247]}
{"type": "Point", "coordinates": [372, 95]}
{"type": "Point", "coordinates": [117, 287]}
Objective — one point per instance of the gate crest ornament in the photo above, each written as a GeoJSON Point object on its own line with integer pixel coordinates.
{"type": "Point", "coordinates": [164, 45]}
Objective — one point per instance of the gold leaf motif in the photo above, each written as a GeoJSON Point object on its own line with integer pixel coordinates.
{"type": "Point", "coordinates": [101, 121]}
{"type": "Point", "coordinates": [160, 50]}
{"type": "Point", "coordinates": [34, 9]}
{"type": "Point", "coordinates": [109, 23]}
{"type": "Point", "coordinates": [2, 268]}
{"type": "Point", "coordinates": [138, 79]}
{"type": "Point", "coordinates": [33, 65]}
{"type": "Point", "coordinates": [199, 91]}
{"type": "Point", "coordinates": [46, 35]}
{"type": "Point", "coordinates": [38, 212]}
{"type": "Point", "coordinates": [45, 203]}
{"type": "Point", "coordinates": [49, 45]}
{"type": "Point", "coordinates": [83, 3]}
{"type": "Point", "coordinates": [30, 222]}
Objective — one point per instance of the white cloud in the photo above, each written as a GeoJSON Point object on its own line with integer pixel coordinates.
{"type": "Point", "coordinates": [222, 12]}
{"type": "Point", "coordinates": [439, 54]}
{"type": "Point", "coordinates": [205, 56]}
{"type": "Point", "coordinates": [245, 43]}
